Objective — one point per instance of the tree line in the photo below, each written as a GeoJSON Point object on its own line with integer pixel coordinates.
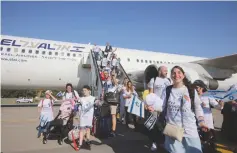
{"type": "Point", "coordinates": [23, 93]}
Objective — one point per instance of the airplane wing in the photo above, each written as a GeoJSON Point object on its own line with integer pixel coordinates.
{"type": "Point", "coordinates": [226, 62]}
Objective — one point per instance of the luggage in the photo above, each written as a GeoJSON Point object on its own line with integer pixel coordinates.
{"type": "Point", "coordinates": [104, 110]}
{"type": "Point", "coordinates": [103, 127]}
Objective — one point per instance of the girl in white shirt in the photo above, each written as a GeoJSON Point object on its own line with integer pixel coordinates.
{"type": "Point", "coordinates": [179, 113]}
{"type": "Point", "coordinates": [70, 94]}
{"type": "Point", "coordinates": [122, 100]}
{"type": "Point", "coordinates": [45, 108]}
{"type": "Point", "coordinates": [128, 96]}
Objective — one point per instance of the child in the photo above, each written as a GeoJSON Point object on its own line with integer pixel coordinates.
{"type": "Point", "coordinates": [45, 107]}
{"type": "Point", "coordinates": [86, 115]}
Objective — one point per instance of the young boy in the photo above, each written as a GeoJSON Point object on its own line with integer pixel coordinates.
{"type": "Point", "coordinates": [86, 115]}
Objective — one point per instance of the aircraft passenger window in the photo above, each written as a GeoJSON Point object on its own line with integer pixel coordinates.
{"type": "Point", "coordinates": [23, 50]}
{"type": "Point", "coordinates": [146, 61]}
{"type": "Point", "coordinates": [62, 54]}
{"type": "Point", "coordinates": [154, 62]}
{"type": "Point", "coordinates": [150, 61]}
{"type": "Point", "coordinates": [74, 55]}
{"type": "Point", "coordinates": [1, 48]}
{"type": "Point", "coordinates": [142, 61]}
{"type": "Point", "coordinates": [68, 54]}
{"type": "Point", "coordinates": [50, 53]}
{"type": "Point", "coordinates": [56, 53]}
{"type": "Point", "coordinates": [168, 62]}
{"type": "Point", "coordinates": [157, 62]}
{"type": "Point", "coordinates": [43, 52]}
{"type": "Point", "coordinates": [160, 61]}
{"type": "Point", "coordinates": [36, 52]}
{"type": "Point", "coordinates": [8, 49]}
{"type": "Point", "coordinates": [30, 51]}
{"type": "Point", "coordinates": [137, 60]}
{"type": "Point", "coordinates": [129, 59]}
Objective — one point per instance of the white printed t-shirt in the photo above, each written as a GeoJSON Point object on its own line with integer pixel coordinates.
{"type": "Point", "coordinates": [122, 100]}
{"type": "Point", "coordinates": [173, 116]}
{"type": "Point", "coordinates": [96, 49]}
{"type": "Point", "coordinates": [207, 110]}
{"type": "Point", "coordinates": [104, 62]}
{"type": "Point", "coordinates": [114, 62]}
{"type": "Point", "coordinates": [159, 85]}
{"type": "Point", "coordinates": [128, 100]}
{"type": "Point", "coordinates": [70, 96]}
{"type": "Point", "coordinates": [46, 114]}
{"type": "Point", "coordinates": [87, 111]}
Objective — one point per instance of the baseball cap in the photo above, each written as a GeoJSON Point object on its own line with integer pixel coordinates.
{"type": "Point", "coordinates": [200, 83]}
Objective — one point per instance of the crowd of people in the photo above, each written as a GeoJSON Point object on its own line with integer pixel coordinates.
{"type": "Point", "coordinates": [183, 116]}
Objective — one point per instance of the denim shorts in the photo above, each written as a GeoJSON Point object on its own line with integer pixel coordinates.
{"type": "Point", "coordinates": [188, 145]}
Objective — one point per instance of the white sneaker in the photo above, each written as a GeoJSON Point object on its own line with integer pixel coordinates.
{"type": "Point", "coordinates": [153, 147]}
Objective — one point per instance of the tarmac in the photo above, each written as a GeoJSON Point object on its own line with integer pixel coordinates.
{"type": "Point", "coordinates": [19, 135]}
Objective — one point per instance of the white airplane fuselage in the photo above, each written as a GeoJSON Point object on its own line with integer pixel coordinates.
{"type": "Point", "coordinates": [28, 63]}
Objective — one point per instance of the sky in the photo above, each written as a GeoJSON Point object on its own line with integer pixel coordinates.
{"type": "Point", "coordinates": [204, 29]}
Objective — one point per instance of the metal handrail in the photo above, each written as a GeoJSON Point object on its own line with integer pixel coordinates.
{"type": "Point", "coordinates": [96, 67]}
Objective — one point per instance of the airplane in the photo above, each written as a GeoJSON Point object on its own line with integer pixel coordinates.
{"type": "Point", "coordinates": [29, 63]}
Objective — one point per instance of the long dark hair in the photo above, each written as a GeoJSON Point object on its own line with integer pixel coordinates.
{"type": "Point", "coordinates": [186, 82]}
{"type": "Point", "coordinates": [69, 84]}
{"type": "Point", "coordinates": [131, 88]}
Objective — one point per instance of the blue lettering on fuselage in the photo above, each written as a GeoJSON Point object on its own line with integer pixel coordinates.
{"type": "Point", "coordinates": [24, 43]}
{"type": "Point", "coordinates": [50, 48]}
{"type": "Point", "coordinates": [14, 43]}
{"type": "Point", "coordinates": [6, 42]}
{"type": "Point", "coordinates": [42, 45]}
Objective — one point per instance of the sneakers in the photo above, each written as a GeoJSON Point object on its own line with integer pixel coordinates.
{"type": "Point", "coordinates": [113, 134]}
{"type": "Point", "coordinates": [88, 143]}
{"type": "Point", "coordinates": [153, 147]}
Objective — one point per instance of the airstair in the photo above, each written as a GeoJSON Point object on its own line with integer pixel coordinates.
{"type": "Point", "coordinates": [96, 81]}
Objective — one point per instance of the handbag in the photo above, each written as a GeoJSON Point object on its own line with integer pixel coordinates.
{"type": "Point", "coordinates": [74, 133]}
{"type": "Point", "coordinates": [175, 131]}
{"type": "Point", "coordinates": [112, 97]}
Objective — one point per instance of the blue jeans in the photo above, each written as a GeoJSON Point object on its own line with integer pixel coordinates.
{"type": "Point", "coordinates": [188, 145]}
{"type": "Point", "coordinates": [43, 129]}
